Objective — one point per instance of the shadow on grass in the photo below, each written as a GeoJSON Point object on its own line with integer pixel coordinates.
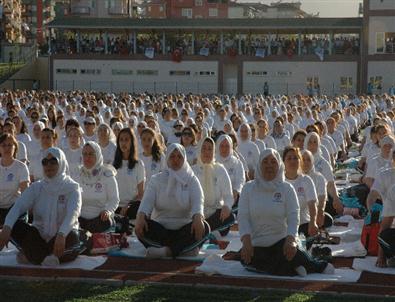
{"type": "Point", "coordinates": [84, 292]}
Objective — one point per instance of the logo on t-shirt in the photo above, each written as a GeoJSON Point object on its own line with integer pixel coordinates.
{"type": "Point", "coordinates": [10, 177]}
{"type": "Point", "coordinates": [98, 187]}
{"type": "Point", "coordinates": [301, 191]}
{"type": "Point", "coordinates": [62, 199]}
{"type": "Point", "coordinates": [231, 171]}
{"type": "Point", "coordinates": [277, 197]}
{"type": "Point", "coordinates": [249, 153]}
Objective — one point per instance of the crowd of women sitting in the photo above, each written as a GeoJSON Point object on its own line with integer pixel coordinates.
{"type": "Point", "coordinates": [181, 168]}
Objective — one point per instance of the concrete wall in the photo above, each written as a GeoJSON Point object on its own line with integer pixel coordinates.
{"type": "Point", "coordinates": [131, 81]}
{"type": "Point", "coordinates": [385, 69]}
{"type": "Point", "coordinates": [382, 4]}
{"type": "Point", "coordinates": [379, 24]}
{"type": "Point", "coordinates": [291, 77]}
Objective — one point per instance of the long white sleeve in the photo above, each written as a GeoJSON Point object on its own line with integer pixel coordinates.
{"type": "Point", "coordinates": [112, 195]}
{"type": "Point", "coordinates": [73, 211]}
{"type": "Point", "coordinates": [243, 215]}
{"type": "Point", "coordinates": [292, 209]}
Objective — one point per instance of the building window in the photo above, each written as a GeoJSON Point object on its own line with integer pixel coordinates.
{"type": "Point", "coordinates": [90, 71]}
{"type": "Point", "coordinates": [198, 2]}
{"type": "Point", "coordinates": [147, 72]}
{"type": "Point", "coordinates": [345, 82]}
{"type": "Point", "coordinates": [122, 72]}
{"type": "Point", "coordinates": [161, 8]}
{"type": "Point", "coordinates": [93, 3]}
{"type": "Point", "coordinates": [186, 12]}
{"type": "Point", "coordinates": [149, 8]}
{"type": "Point", "coordinates": [179, 72]}
{"type": "Point", "coordinates": [66, 71]}
{"type": "Point", "coordinates": [284, 73]}
{"type": "Point", "coordinates": [207, 73]}
{"type": "Point", "coordinates": [257, 73]}
{"type": "Point", "coordinates": [213, 12]}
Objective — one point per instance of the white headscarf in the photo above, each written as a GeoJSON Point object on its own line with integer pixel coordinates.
{"type": "Point", "coordinates": [91, 176]}
{"type": "Point", "coordinates": [177, 179]}
{"type": "Point", "coordinates": [207, 182]}
{"type": "Point", "coordinates": [231, 157]}
{"type": "Point", "coordinates": [249, 133]}
{"type": "Point", "coordinates": [260, 182]}
{"type": "Point", "coordinates": [317, 155]}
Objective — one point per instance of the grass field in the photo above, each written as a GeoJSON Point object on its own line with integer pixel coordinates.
{"type": "Point", "coordinates": [83, 292]}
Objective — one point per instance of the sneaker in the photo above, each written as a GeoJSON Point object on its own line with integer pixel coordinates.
{"type": "Point", "coordinates": [50, 260]}
{"type": "Point", "coordinates": [329, 270]}
{"type": "Point", "coordinates": [391, 262]}
{"type": "Point", "coordinates": [21, 258]}
{"type": "Point", "coordinates": [301, 271]}
{"type": "Point", "coordinates": [192, 253]}
{"type": "Point", "coordinates": [156, 252]}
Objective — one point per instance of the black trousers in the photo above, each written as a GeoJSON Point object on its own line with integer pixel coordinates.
{"type": "Point", "coordinates": [222, 226]}
{"type": "Point", "coordinates": [133, 207]}
{"type": "Point", "coordinates": [4, 213]}
{"type": "Point", "coordinates": [29, 241]}
{"type": "Point", "coordinates": [386, 240]}
{"type": "Point", "coordinates": [96, 225]}
{"type": "Point", "coordinates": [178, 241]}
{"type": "Point", "coordinates": [271, 260]}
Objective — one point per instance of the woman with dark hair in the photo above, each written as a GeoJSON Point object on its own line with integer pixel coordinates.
{"type": "Point", "coordinates": [21, 130]}
{"type": "Point", "coordinates": [280, 137]}
{"type": "Point", "coordinates": [99, 188]}
{"type": "Point", "coordinates": [152, 153]}
{"type": "Point", "coordinates": [188, 141]}
{"type": "Point", "coordinates": [14, 175]}
{"type": "Point", "coordinates": [305, 190]}
{"type": "Point", "coordinates": [9, 127]}
{"type": "Point", "coordinates": [298, 139]}
{"type": "Point", "coordinates": [106, 140]}
{"type": "Point", "coordinates": [51, 113]}
{"type": "Point", "coordinates": [130, 173]}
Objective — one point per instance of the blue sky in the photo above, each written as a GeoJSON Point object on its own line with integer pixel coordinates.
{"type": "Point", "coordinates": [327, 8]}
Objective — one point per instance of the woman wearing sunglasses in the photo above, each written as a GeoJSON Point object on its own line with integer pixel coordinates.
{"type": "Point", "coordinates": [55, 202]}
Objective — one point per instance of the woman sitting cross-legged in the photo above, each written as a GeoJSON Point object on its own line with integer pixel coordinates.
{"type": "Point", "coordinates": [99, 191]}
{"type": "Point", "coordinates": [268, 223]}
{"type": "Point", "coordinates": [55, 202]}
{"type": "Point", "coordinates": [170, 219]}
{"type": "Point", "coordinates": [217, 189]}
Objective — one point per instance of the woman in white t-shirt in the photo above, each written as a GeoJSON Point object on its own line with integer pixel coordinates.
{"type": "Point", "coordinates": [188, 141]}
{"type": "Point", "coordinates": [21, 130]}
{"type": "Point", "coordinates": [280, 137]}
{"type": "Point", "coordinates": [262, 134]}
{"type": "Point", "coordinates": [312, 143]}
{"type": "Point", "coordinates": [14, 175]}
{"type": "Point", "coordinates": [130, 174]}
{"type": "Point", "coordinates": [73, 151]}
{"type": "Point", "coordinates": [248, 149]}
{"type": "Point", "coordinates": [152, 154]}
{"type": "Point", "coordinates": [100, 197]}
{"type": "Point", "coordinates": [217, 188]}
{"type": "Point", "coordinates": [106, 140]}
{"type": "Point", "coordinates": [323, 219]}
{"type": "Point", "coordinates": [305, 190]}
{"type": "Point", "coordinates": [21, 155]}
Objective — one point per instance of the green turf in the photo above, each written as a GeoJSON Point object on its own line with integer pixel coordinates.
{"type": "Point", "coordinates": [84, 292]}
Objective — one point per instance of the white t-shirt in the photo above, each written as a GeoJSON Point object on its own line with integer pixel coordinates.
{"type": "Point", "coordinates": [383, 182]}
{"type": "Point", "coordinates": [22, 153]}
{"type": "Point", "coordinates": [322, 166]}
{"type": "Point", "coordinates": [109, 153]}
{"type": "Point", "coordinates": [305, 190]}
{"type": "Point", "coordinates": [10, 179]}
{"type": "Point", "coordinates": [376, 164]}
{"type": "Point", "coordinates": [152, 167]}
{"type": "Point", "coordinates": [128, 179]}
{"type": "Point", "coordinates": [250, 152]}
{"type": "Point", "coordinates": [74, 159]}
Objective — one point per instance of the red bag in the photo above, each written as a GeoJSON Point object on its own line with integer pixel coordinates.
{"type": "Point", "coordinates": [102, 243]}
{"type": "Point", "coordinates": [369, 236]}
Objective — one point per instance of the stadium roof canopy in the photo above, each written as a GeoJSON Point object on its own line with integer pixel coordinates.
{"type": "Point", "coordinates": [294, 24]}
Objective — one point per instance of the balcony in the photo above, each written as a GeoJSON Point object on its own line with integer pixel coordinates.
{"type": "Point", "coordinates": [81, 10]}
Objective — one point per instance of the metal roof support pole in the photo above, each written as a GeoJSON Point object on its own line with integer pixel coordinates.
{"type": "Point", "coordinates": [299, 44]}
{"type": "Point", "coordinates": [50, 41]}
{"type": "Point", "coordinates": [331, 35]}
{"type": "Point", "coordinates": [134, 42]}
{"type": "Point", "coordinates": [193, 43]}
{"type": "Point", "coordinates": [239, 42]}
{"type": "Point", "coordinates": [106, 42]}
{"type": "Point", "coordinates": [78, 38]}
{"type": "Point", "coordinates": [269, 49]}
{"type": "Point", "coordinates": [222, 43]}
{"type": "Point", "coordinates": [163, 42]}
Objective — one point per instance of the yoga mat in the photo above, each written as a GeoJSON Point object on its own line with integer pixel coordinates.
{"type": "Point", "coordinates": [137, 250]}
{"type": "Point", "coordinates": [368, 264]}
{"type": "Point", "coordinates": [215, 265]}
{"type": "Point", "coordinates": [347, 249]}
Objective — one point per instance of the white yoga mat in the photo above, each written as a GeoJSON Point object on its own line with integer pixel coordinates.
{"type": "Point", "coordinates": [349, 233]}
{"type": "Point", "coordinates": [347, 249]}
{"type": "Point", "coordinates": [216, 265]}
{"type": "Point", "coordinates": [137, 250]}
{"type": "Point", "coordinates": [368, 264]}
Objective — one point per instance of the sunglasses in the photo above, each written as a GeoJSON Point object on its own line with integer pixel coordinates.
{"type": "Point", "coordinates": [51, 161]}
{"type": "Point", "coordinates": [187, 134]}
{"type": "Point", "coordinates": [88, 123]}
